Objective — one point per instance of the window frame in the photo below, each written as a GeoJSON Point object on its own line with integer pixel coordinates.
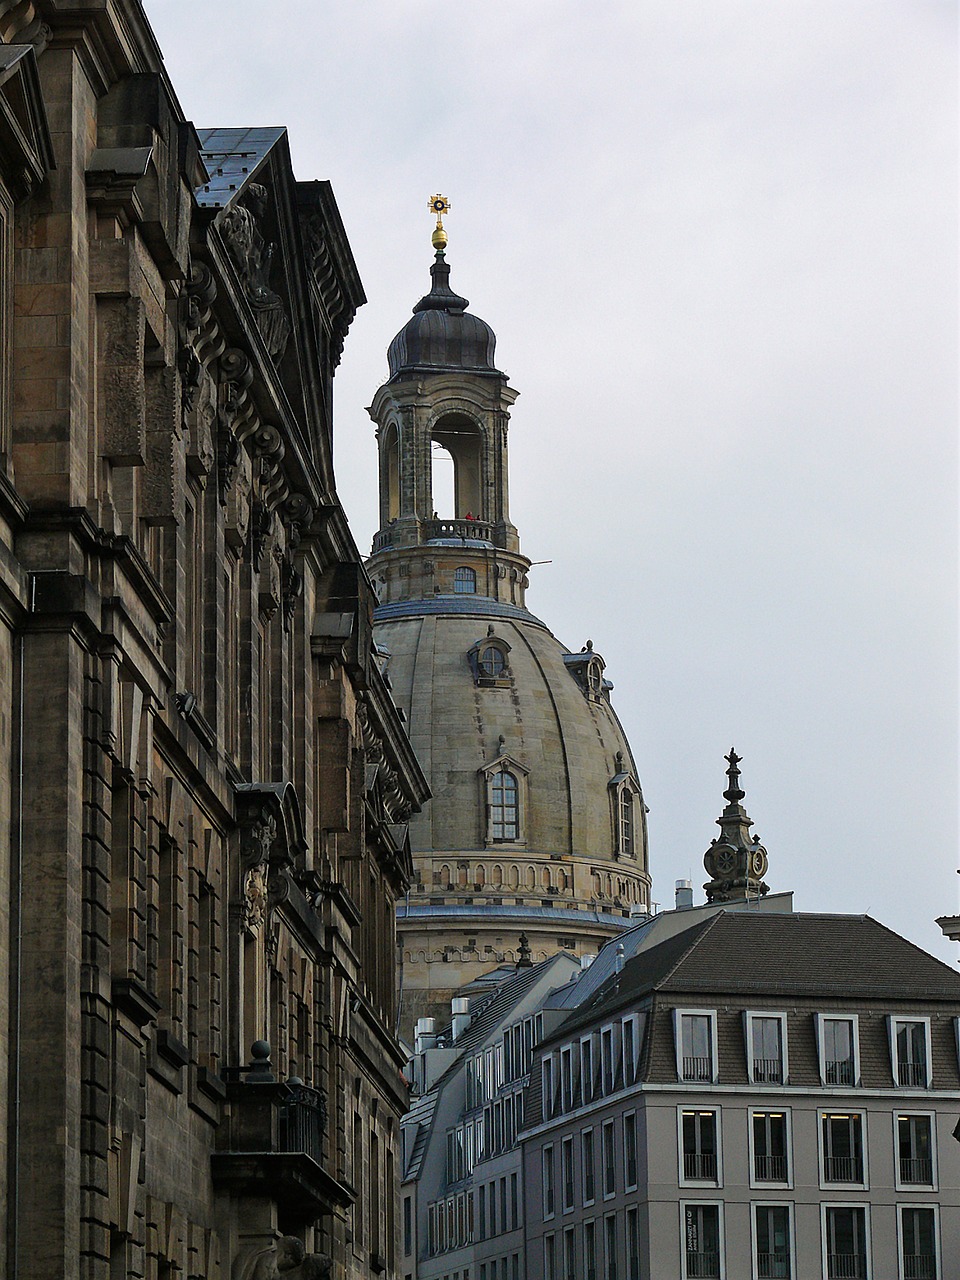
{"type": "Point", "coordinates": [759, 1183]}
{"type": "Point", "coordinates": [751, 1016]}
{"type": "Point", "coordinates": [465, 570]}
{"type": "Point", "coordinates": [503, 764]}
{"type": "Point", "coordinates": [721, 1244]}
{"type": "Point", "coordinates": [567, 1148]}
{"type": "Point", "coordinates": [629, 1185]}
{"type": "Point", "coordinates": [858, 1185]}
{"type": "Point", "coordinates": [854, 1019]}
{"type": "Point", "coordinates": [548, 1183]}
{"type": "Point", "coordinates": [592, 1199]}
{"type": "Point", "coordinates": [937, 1251]}
{"type": "Point", "coordinates": [754, 1235]}
{"type": "Point", "coordinates": [682, 1178]}
{"type": "Point", "coordinates": [913, 1187]}
{"type": "Point", "coordinates": [893, 1020]}
{"type": "Point", "coordinates": [864, 1207]}
{"type": "Point", "coordinates": [711, 1014]}
{"type": "Point", "coordinates": [608, 1158]}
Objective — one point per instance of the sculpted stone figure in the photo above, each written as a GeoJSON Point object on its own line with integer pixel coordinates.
{"type": "Point", "coordinates": [288, 1260]}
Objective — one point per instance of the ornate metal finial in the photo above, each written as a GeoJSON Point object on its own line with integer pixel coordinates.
{"type": "Point", "coordinates": [733, 792]}
{"type": "Point", "coordinates": [439, 205]}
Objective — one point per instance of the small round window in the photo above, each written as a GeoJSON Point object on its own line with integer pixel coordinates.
{"type": "Point", "coordinates": [493, 661]}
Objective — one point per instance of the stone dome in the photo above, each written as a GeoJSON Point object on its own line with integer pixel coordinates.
{"type": "Point", "coordinates": [442, 334]}
{"type": "Point", "coordinates": [486, 687]}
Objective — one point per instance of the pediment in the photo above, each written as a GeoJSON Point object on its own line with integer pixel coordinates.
{"type": "Point", "coordinates": [504, 761]}
{"type": "Point", "coordinates": [26, 152]}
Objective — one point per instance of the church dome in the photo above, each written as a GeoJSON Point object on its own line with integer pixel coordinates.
{"type": "Point", "coordinates": [441, 334]}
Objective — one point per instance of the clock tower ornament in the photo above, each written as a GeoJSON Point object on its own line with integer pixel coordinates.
{"type": "Point", "coordinates": [736, 861]}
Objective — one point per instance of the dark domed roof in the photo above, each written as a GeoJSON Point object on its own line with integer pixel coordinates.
{"type": "Point", "coordinates": [441, 334]}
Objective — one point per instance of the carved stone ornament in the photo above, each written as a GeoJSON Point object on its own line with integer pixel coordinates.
{"type": "Point", "coordinates": [254, 903]}
{"type": "Point", "coordinates": [285, 1260]}
{"type": "Point", "coordinates": [241, 228]}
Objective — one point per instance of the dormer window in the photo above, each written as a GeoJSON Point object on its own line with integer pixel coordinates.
{"type": "Point", "coordinates": [504, 784]}
{"type": "Point", "coordinates": [489, 661]}
{"type": "Point", "coordinates": [586, 667]}
{"type": "Point", "coordinates": [627, 811]}
{"type": "Point", "coordinates": [464, 581]}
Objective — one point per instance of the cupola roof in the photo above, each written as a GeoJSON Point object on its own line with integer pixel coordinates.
{"type": "Point", "coordinates": [442, 334]}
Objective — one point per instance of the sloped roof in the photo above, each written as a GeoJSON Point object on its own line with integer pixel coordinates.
{"type": "Point", "coordinates": [232, 157]}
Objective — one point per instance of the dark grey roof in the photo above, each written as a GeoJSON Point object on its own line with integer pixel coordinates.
{"type": "Point", "coordinates": [479, 606]}
{"type": "Point", "coordinates": [441, 334]}
{"type": "Point", "coordinates": [232, 157]}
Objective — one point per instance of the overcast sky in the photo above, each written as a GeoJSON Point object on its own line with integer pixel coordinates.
{"type": "Point", "coordinates": [717, 242]}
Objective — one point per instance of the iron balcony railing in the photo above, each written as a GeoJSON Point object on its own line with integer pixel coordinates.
{"type": "Point", "coordinates": [843, 1169]}
{"type": "Point", "coordinates": [912, 1074]}
{"type": "Point", "coordinates": [697, 1069]}
{"type": "Point", "coordinates": [703, 1265]}
{"type": "Point", "coordinates": [773, 1266]}
{"type": "Point", "coordinates": [916, 1170]}
{"type": "Point", "coordinates": [768, 1071]}
{"type": "Point", "coordinates": [302, 1121]}
{"type": "Point", "coordinates": [699, 1165]}
{"type": "Point", "coordinates": [846, 1266]}
{"type": "Point", "coordinates": [839, 1071]}
{"type": "Point", "coordinates": [770, 1168]}
{"type": "Point", "coordinates": [919, 1266]}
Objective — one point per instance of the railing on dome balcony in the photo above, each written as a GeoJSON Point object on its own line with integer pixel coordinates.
{"type": "Point", "coordinates": [382, 540]}
{"type": "Point", "coordinates": [457, 528]}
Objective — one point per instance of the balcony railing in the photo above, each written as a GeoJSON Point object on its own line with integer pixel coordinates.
{"type": "Point", "coordinates": [703, 1266]}
{"type": "Point", "coordinates": [916, 1170]}
{"type": "Point", "coordinates": [773, 1266]}
{"type": "Point", "coordinates": [697, 1069]}
{"type": "Point", "coordinates": [846, 1266]}
{"type": "Point", "coordinates": [839, 1071]}
{"type": "Point", "coordinates": [912, 1075]}
{"type": "Point", "coordinates": [470, 530]}
{"type": "Point", "coordinates": [843, 1169]}
{"type": "Point", "coordinates": [768, 1071]}
{"type": "Point", "coordinates": [699, 1165]}
{"type": "Point", "coordinates": [770, 1168]}
{"type": "Point", "coordinates": [919, 1266]}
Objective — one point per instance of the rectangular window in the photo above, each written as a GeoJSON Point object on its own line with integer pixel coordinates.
{"type": "Point", "coordinates": [701, 1241]}
{"type": "Point", "coordinates": [482, 1216]}
{"type": "Point", "coordinates": [547, 1069]}
{"type": "Point", "coordinates": [503, 1204]}
{"type": "Point", "coordinates": [549, 1199]}
{"type": "Point", "coordinates": [550, 1257]}
{"type": "Point", "coordinates": [839, 1059]}
{"type": "Point", "coordinates": [630, 1151]}
{"type": "Point", "coordinates": [842, 1147]}
{"type": "Point", "coordinates": [407, 1226]}
{"type": "Point", "coordinates": [696, 1051]}
{"type": "Point", "coordinates": [770, 1154]}
{"type": "Point", "coordinates": [492, 1195]}
{"type": "Point", "coordinates": [918, 1243]}
{"type": "Point", "coordinates": [514, 1267]}
{"type": "Point", "coordinates": [566, 1079]}
{"type": "Point", "coordinates": [610, 1245]}
{"type": "Point", "coordinates": [606, 1058]}
{"type": "Point", "coordinates": [765, 1051]}
{"type": "Point", "coordinates": [772, 1242]}
{"type": "Point", "coordinates": [915, 1150]}
{"type": "Point", "coordinates": [698, 1130]}
{"type": "Point", "coordinates": [633, 1244]}
{"type": "Point", "coordinates": [586, 1070]}
{"type": "Point", "coordinates": [514, 1202]}
{"type": "Point", "coordinates": [910, 1039]}
{"type": "Point", "coordinates": [609, 1159]}
{"type": "Point", "coordinates": [586, 1151]}
{"type": "Point", "coordinates": [630, 1046]}
{"type": "Point", "coordinates": [566, 1172]}
{"type": "Point", "coordinates": [590, 1251]}
{"type": "Point", "coordinates": [845, 1242]}
{"type": "Point", "coordinates": [569, 1254]}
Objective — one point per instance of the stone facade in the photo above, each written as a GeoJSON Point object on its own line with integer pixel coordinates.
{"type": "Point", "coordinates": [204, 782]}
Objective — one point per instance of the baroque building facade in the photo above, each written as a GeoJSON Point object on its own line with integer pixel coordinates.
{"type": "Point", "coordinates": [537, 826]}
{"type": "Point", "coordinates": [205, 784]}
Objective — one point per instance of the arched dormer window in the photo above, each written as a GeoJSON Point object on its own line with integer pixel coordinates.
{"type": "Point", "coordinates": [586, 667]}
{"type": "Point", "coordinates": [464, 581]}
{"type": "Point", "coordinates": [489, 660]}
{"type": "Point", "coordinates": [504, 783]}
{"type": "Point", "coordinates": [626, 823]}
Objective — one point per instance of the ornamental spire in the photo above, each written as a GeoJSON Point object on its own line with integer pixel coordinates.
{"type": "Point", "coordinates": [439, 205]}
{"type": "Point", "coordinates": [737, 861]}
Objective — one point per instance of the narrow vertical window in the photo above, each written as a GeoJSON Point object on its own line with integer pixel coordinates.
{"type": "Point", "coordinates": [586, 1151]}
{"type": "Point", "coordinates": [846, 1240]}
{"type": "Point", "coordinates": [464, 581]}
{"type": "Point", "coordinates": [915, 1150]}
{"type": "Point", "coordinates": [699, 1136]}
{"type": "Point", "coordinates": [701, 1229]}
{"type": "Point", "coordinates": [773, 1241]}
{"type": "Point", "coordinates": [843, 1148]}
{"type": "Point", "coordinates": [766, 1047]}
{"type": "Point", "coordinates": [626, 822]}
{"type": "Point", "coordinates": [770, 1146]}
{"type": "Point", "coordinates": [630, 1150]}
{"type": "Point", "coordinates": [918, 1231]}
{"type": "Point", "coordinates": [549, 1197]}
{"type": "Point", "coordinates": [504, 806]}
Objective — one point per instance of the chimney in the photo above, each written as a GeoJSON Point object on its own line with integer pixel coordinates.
{"type": "Point", "coordinates": [425, 1035]}
{"type": "Point", "coordinates": [459, 1016]}
{"type": "Point", "coordinates": [684, 894]}
{"type": "Point", "coordinates": [586, 962]}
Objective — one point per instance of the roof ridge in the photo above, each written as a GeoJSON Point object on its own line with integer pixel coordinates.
{"type": "Point", "coordinates": [702, 928]}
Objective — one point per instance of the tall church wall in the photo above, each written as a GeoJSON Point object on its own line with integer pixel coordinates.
{"type": "Point", "coordinates": [211, 826]}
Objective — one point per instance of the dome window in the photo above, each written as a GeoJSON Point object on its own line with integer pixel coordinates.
{"type": "Point", "coordinates": [628, 812]}
{"type": "Point", "coordinates": [464, 581]}
{"type": "Point", "coordinates": [586, 667]}
{"type": "Point", "coordinates": [489, 661]}
{"type": "Point", "coordinates": [504, 783]}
